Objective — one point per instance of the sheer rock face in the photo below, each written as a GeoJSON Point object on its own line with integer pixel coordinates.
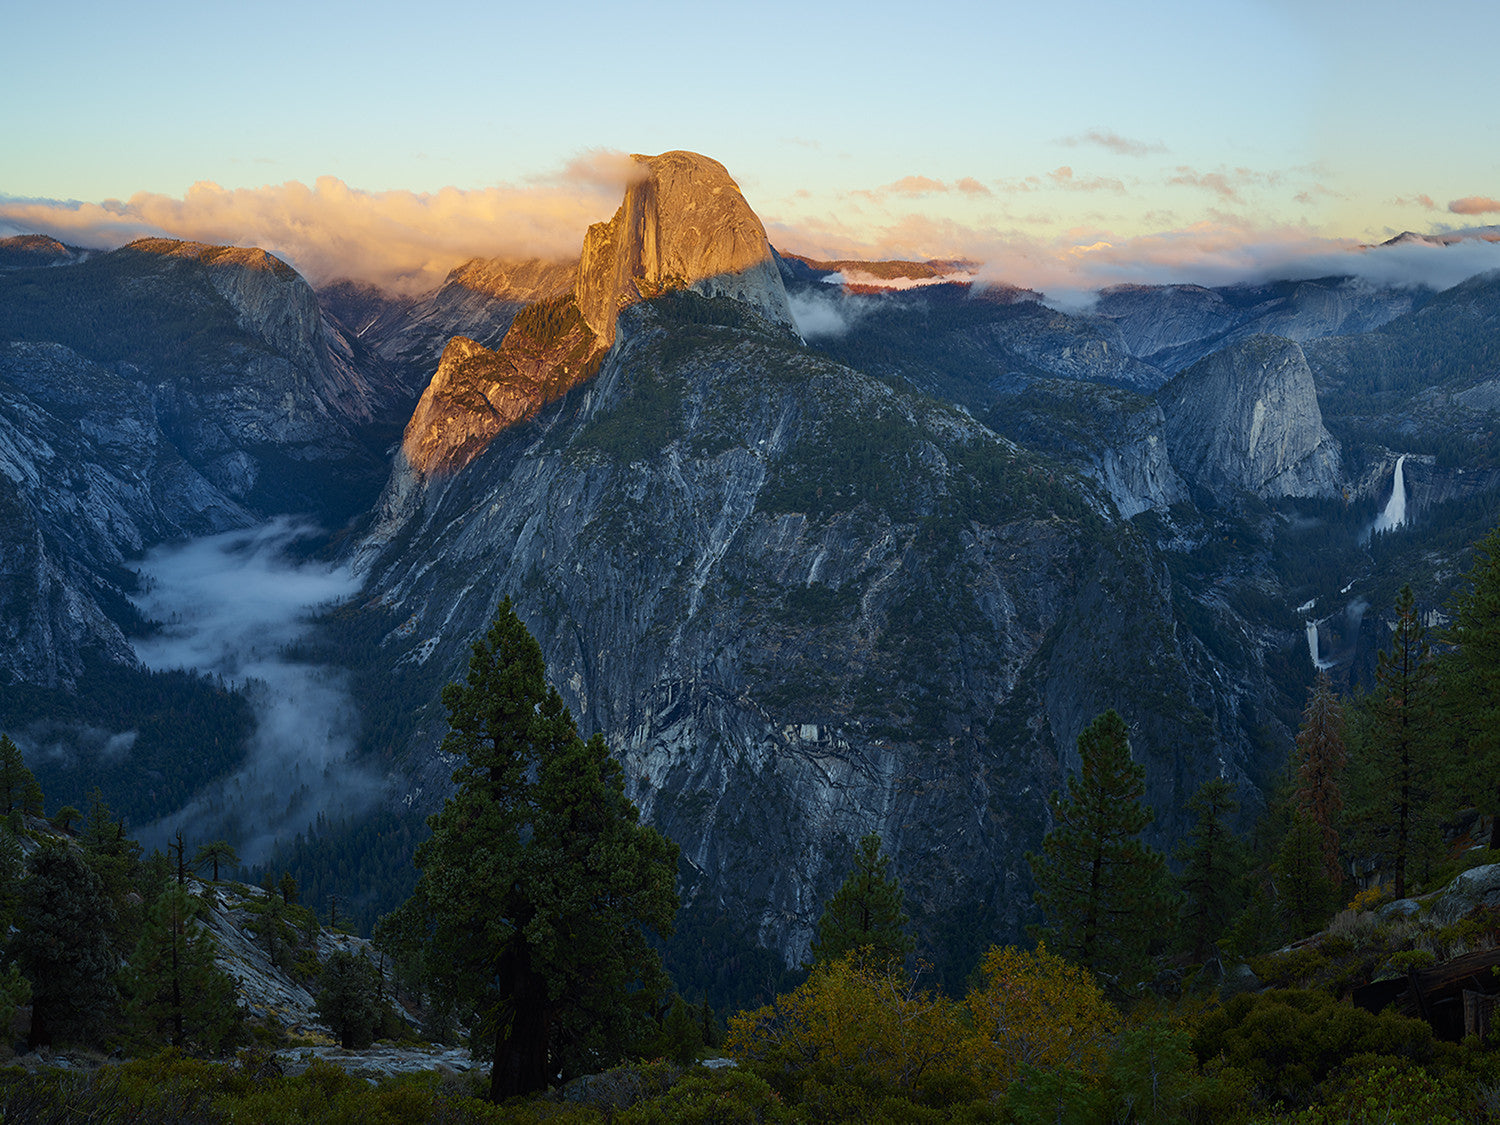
{"type": "Point", "coordinates": [477, 393]}
{"type": "Point", "coordinates": [1247, 418]}
{"type": "Point", "coordinates": [87, 478]}
{"type": "Point", "coordinates": [683, 223]}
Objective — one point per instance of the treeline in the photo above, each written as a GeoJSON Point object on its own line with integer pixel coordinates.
{"type": "Point", "coordinates": [148, 739]}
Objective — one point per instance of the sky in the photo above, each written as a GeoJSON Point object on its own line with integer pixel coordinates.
{"type": "Point", "coordinates": [1063, 145]}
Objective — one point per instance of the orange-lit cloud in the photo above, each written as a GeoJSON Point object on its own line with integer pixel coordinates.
{"type": "Point", "coordinates": [1124, 146]}
{"type": "Point", "coordinates": [1474, 205]}
{"type": "Point", "coordinates": [1424, 201]}
{"type": "Point", "coordinates": [404, 240]}
{"type": "Point", "coordinates": [916, 187]}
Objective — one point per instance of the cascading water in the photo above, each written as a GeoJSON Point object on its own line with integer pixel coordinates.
{"type": "Point", "coordinates": [1312, 646]}
{"type": "Point", "coordinates": [1394, 515]}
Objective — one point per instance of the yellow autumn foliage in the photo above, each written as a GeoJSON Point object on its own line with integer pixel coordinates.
{"type": "Point", "coordinates": [1037, 1010]}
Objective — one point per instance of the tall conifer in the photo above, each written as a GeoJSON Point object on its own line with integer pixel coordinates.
{"type": "Point", "coordinates": [867, 911]}
{"type": "Point", "coordinates": [1100, 888]}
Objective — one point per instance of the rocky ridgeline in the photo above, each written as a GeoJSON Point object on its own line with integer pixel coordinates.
{"type": "Point", "coordinates": [683, 224]}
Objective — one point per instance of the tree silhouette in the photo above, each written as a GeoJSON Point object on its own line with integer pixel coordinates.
{"type": "Point", "coordinates": [868, 910]}
{"type": "Point", "coordinates": [537, 881]}
{"type": "Point", "coordinates": [1100, 889]}
{"type": "Point", "coordinates": [1320, 769]}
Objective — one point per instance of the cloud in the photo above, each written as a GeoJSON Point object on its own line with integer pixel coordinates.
{"type": "Point", "coordinates": [1074, 264]}
{"type": "Point", "coordinates": [1063, 177]}
{"type": "Point", "coordinates": [406, 241]}
{"type": "Point", "coordinates": [821, 316]}
{"type": "Point", "coordinates": [1474, 205]}
{"type": "Point", "coordinates": [1124, 146]}
{"type": "Point", "coordinates": [914, 185]}
{"type": "Point", "coordinates": [1227, 183]}
{"type": "Point", "coordinates": [1415, 200]}
{"type": "Point", "coordinates": [235, 605]}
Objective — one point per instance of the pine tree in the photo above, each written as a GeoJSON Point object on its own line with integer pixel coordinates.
{"type": "Point", "coordinates": [349, 998]}
{"type": "Point", "coordinates": [1100, 889]}
{"type": "Point", "coordinates": [1305, 895]}
{"type": "Point", "coordinates": [62, 944]}
{"type": "Point", "coordinates": [537, 880]}
{"type": "Point", "coordinates": [116, 859]}
{"type": "Point", "coordinates": [214, 855]}
{"type": "Point", "coordinates": [1213, 865]}
{"type": "Point", "coordinates": [174, 992]}
{"type": "Point", "coordinates": [18, 785]}
{"type": "Point", "coordinates": [867, 911]}
{"type": "Point", "coordinates": [1320, 769]}
{"type": "Point", "coordinates": [1399, 754]}
{"type": "Point", "coordinates": [1470, 676]}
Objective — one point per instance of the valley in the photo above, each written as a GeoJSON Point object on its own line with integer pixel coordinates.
{"type": "Point", "coordinates": [807, 584]}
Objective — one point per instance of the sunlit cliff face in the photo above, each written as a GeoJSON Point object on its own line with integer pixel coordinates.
{"type": "Point", "coordinates": [683, 224]}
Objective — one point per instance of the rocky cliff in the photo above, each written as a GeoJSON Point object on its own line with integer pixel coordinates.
{"type": "Point", "coordinates": [1247, 418]}
{"type": "Point", "coordinates": [87, 479]}
{"type": "Point", "coordinates": [1114, 435]}
{"type": "Point", "coordinates": [801, 605]}
{"type": "Point", "coordinates": [478, 300]}
{"type": "Point", "coordinates": [683, 222]}
{"type": "Point", "coordinates": [247, 380]}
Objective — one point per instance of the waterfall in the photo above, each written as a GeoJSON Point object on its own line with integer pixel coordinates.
{"type": "Point", "coordinates": [1312, 646]}
{"type": "Point", "coordinates": [1394, 515]}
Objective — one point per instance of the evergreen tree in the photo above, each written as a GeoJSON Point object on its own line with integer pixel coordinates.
{"type": "Point", "coordinates": [116, 859]}
{"type": "Point", "coordinates": [18, 785]}
{"type": "Point", "coordinates": [174, 993]}
{"type": "Point", "coordinates": [349, 990]}
{"type": "Point", "coordinates": [1398, 755]}
{"type": "Point", "coordinates": [62, 945]}
{"type": "Point", "coordinates": [867, 911]}
{"type": "Point", "coordinates": [1213, 866]}
{"type": "Point", "coordinates": [537, 880]}
{"type": "Point", "coordinates": [1470, 677]}
{"type": "Point", "coordinates": [1100, 889]}
{"type": "Point", "coordinates": [1320, 768]}
{"type": "Point", "coordinates": [1305, 895]}
{"type": "Point", "coordinates": [214, 855]}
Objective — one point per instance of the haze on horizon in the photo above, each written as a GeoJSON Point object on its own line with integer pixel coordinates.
{"type": "Point", "coordinates": [1066, 149]}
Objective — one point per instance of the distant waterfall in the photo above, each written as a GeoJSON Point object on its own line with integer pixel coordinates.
{"type": "Point", "coordinates": [1312, 646]}
{"type": "Point", "coordinates": [1394, 515]}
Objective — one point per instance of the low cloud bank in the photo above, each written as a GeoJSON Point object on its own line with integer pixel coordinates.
{"type": "Point", "coordinates": [232, 604]}
{"type": "Point", "coordinates": [402, 240]}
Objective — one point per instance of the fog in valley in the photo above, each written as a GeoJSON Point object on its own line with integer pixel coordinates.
{"type": "Point", "coordinates": [232, 605]}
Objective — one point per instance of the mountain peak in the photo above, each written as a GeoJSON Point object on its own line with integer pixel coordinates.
{"type": "Point", "coordinates": [683, 224]}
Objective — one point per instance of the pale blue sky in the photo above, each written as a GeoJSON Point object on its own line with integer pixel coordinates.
{"type": "Point", "coordinates": [849, 126]}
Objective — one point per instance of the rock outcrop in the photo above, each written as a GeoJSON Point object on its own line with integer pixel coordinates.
{"type": "Point", "coordinates": [87, 478]}
{"type": "Point", "coordinates": [747, 566]}
{"type": "Point", "coordinates": [478, 299]}
{"type": "Point", "coordinates": [1247, 418]}
{"type": "Point", "coordinates": [683, 223]}
{"type": "Point", "coordinates": [246, 379]}
{"type": "Point", "coordinates": [1116, 436]}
